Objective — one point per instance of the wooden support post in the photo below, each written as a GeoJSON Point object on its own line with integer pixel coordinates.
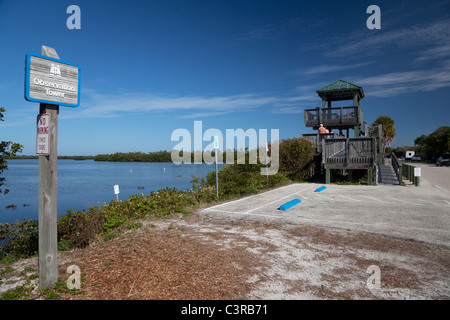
{"type": "Point", "coordinates": [370, 176]}
{"type": "Point", "coordinates": [319, 111]}
{"type": "Point", "coordinates": [47, 193]}
{"type": "Point", "coordinates": [356, 100]}
{"type": "Point", "coordinates": [47, 190]}
{"type": "Point", "coordinates": [347, 152]}
{"type": "Point", "coordinates": [357, 131]}
{"type": "Point", "coordinates": [327, 176]}
{"type": "Point", "coordinates": [374, 150]}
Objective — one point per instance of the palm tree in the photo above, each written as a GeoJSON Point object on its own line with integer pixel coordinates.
{"type": "Point", "coordinates": [388, 129]}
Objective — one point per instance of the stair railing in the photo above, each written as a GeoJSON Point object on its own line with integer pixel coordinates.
{"type": "Point", "coordinates": [398, 168]}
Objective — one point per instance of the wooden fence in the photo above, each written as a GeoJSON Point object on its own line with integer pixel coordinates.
{"type": "Point", "coordinates": [349, 153]}
{"type": "Point", "coordinates": [408, 172]}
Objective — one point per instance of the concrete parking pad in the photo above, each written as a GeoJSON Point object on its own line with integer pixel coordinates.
{"type": "Point", "coordinates": [414, 213]}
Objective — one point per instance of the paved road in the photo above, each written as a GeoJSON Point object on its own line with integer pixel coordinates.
{"type": "Point", "coordinates": [417, 213]}
{"type": "Point", "coordinates": [438, 177]}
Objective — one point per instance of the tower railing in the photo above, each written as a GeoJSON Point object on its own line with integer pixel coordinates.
{"type": "Point", "coordinates": [334, 117]}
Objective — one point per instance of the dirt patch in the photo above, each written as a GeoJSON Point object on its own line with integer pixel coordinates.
{"type": "Point", "coordinates": [160, 262]}
{"type": "Point", "coordinates": [203, 258]}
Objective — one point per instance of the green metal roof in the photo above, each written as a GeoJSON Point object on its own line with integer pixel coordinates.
{"type": "Point", "coordinates": [340, 90]}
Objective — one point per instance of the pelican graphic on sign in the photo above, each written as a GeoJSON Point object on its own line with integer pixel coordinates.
{"type": "Point", "coordinates": [55, 70]}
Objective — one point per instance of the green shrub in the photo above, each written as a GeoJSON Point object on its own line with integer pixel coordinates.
{"type": "Point", "coordinates": [242, 179]}
{"type": "Point", "coordinates": [297, 158]}
{"type": "Point", "coordinates": [19, 239]}
{"type": "Point", "coordinates": [77, 228]}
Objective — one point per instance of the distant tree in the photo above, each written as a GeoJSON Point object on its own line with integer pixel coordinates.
{"type": "Point", "coordinates": [388, 129]}
{"type": "Point", "coordinates": [401, 151]}
{"type": "Point", "coordinates": [7, 150]}
{"type": "Point", "coordinates": [435, 144]}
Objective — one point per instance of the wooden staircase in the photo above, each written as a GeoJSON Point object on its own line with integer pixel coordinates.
{"type": "Point", "coordinates": [386, 175]}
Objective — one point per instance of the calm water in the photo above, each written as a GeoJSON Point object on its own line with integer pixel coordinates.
{"type": "Point", "coordinates": [87, 183]}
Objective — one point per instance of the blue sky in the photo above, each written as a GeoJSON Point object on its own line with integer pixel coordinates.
{"type": "Point", "coordinates": [150, 67]}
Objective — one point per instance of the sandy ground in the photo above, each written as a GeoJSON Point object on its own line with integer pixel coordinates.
{"type": "Point", "coordinates": [203, 258]}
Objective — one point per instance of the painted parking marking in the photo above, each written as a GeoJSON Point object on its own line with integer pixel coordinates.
{"type": "Point", "coordinates": [427, 201]}
{"type": "Point", "coordinates": [278, 200]}
{"type": "Point", "coordinates": [349, 198]}
{"type": "Point", "coordinates": [322, 196]}
{"type": "Point", "coordinates": [223, 211]}
{"type": "Point", "coordinates": [407, 201]}
{"type": "Point", "coordinates": [246, 198]}
{"type": "Point", "coordinates": [441, 188]}
{"type": "Point", "coordinates": [375, 199]}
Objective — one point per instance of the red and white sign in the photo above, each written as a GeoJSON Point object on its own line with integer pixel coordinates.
{"type": "Point", "coordinates": [43, 135]}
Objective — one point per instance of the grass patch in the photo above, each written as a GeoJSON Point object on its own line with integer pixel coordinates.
{"type": "Point", "coordinates": [18, 293]}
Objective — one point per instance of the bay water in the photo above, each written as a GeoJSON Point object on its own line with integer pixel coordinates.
{"type": "Point", "coordinates": [86, 183]}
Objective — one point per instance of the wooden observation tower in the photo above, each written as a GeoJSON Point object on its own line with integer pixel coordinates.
{"type": "Point", "coordinates": [341, 152]}
{"type": "Point", "coordinates": [339, 118]}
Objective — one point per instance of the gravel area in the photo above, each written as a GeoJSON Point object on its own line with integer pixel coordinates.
{"type": "Point", "coordinates": [203, 258]}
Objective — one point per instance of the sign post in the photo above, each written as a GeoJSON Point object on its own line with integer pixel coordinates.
{"type": "Point", "coordinates": [216, 148]}
{"type": "Point", "coordinates": [52, 83]}
{"type": "Point", "coordinates": [47, 190]}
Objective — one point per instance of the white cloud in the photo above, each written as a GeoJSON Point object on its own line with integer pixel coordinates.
{"type": "Point", "coordinates": [435, 35]}
{"type": "Point", "coordinates": [396, 83]}
{"type": "Point", "coordinates": [439, 52]}
{"type": "Point", "coordinates": [332, 68]}
{"type": "Point", "coordinates": [288, 110]}
{"type": "Point", "coordinates": [113, 105]}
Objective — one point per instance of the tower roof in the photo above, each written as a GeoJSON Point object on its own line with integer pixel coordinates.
{"type": "Point", "coordinates": [340, 90]}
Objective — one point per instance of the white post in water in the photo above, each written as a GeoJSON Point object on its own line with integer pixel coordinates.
{"type": "Point", "coordinates": [216, 148]}
{"type": "Point", "coordinates": [116, 191]}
